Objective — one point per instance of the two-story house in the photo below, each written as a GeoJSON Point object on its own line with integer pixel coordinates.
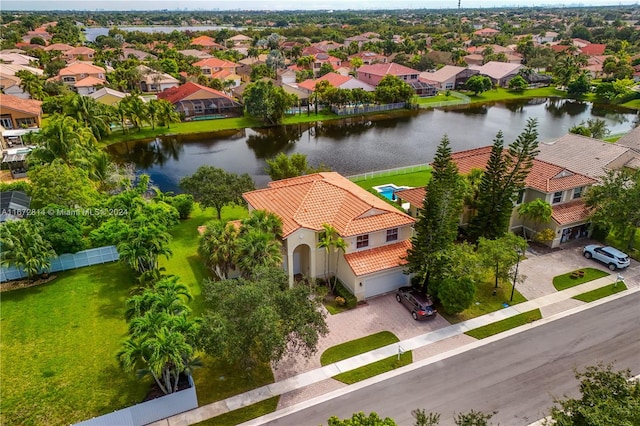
{"type": "Point", "coordinates": [80, 53]}
{"type": "Point", "coordinates": [220, 69]}
{"type": "Point", "coordinates": [562, 188]}
{"type": "Point", "coordinates": [372, 74]}
{"type": "Point", "coordinates": [84, 78]}
{"type": "Point", "coordinates": [155, 81]}
{"type": "Point", "coordinates": [376, 234]}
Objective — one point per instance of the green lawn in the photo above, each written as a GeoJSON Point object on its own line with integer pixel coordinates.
{"type": "Point", "coordinates": [360, 346]}
{"type": "Point", "coordinates": [185, 261]}
{"type": "Point", "coordinates": [485, 301]}
{"type": "Point", "coordinates": [505, 324]}
{"type": "Point", "coordinates": [209, 126]}
{"type": "Point", "coordinates": [634, 104]}
{"type": "Point", "coordinates": [599, 293]}
{"type": "Point", "coordinates": [357, 347]}
{"type": "Point", "coordinates": [433, 99]}
{"type": "Point", "coordinates": [243, 414]}
{"type": "Point", "coordinates": [59, 342]}
{"type": "Point", "coordinates": [413, 179]}
{"type": "Point", "coordinates": [501, 94]}
{"type": "Point", "coordinates": [373, 369]}
{"type": "Point", "coordinates": [564, 281]}
{"type": "Point", "coordinates": [213, 381]}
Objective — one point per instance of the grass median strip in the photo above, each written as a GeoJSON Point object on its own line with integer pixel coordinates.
{"type": "Point", "coordinates": [505, 324]}
{"type": "Point", "coordinates": [574, 278]}
{"type": "Point", "coordinates": [360, 346]}
{"type": "Point", "coordinates": [599, 293]}
{"type": "Point", "coordinates": [243, 414]}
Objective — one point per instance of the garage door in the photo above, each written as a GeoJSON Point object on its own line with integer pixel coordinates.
{"type": "Point", "coordinates": [385, 283]}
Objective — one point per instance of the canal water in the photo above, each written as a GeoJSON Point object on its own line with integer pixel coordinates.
{"type": "Point", "coordinates": [362, 144]}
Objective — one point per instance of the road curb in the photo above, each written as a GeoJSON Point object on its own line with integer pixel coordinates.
{"type": "Point", "coordinates": [431, 360]}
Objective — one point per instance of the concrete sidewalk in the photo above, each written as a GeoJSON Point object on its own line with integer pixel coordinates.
{"type": "Point", "coordinates": [320, 374]}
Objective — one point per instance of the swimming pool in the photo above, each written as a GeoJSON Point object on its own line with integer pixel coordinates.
{"type": "Point", "coordinates": [387, 191]}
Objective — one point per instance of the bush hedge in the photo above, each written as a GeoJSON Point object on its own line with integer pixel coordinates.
{"type": "Point", "coordinates": [350, 299]}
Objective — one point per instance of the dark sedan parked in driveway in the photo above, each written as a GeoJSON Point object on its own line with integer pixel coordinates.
{"type": "Point", "coordinates": [418, 303]}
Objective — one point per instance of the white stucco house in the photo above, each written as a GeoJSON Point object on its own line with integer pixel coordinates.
{"type": "Point", "coordinates": [377, 235]}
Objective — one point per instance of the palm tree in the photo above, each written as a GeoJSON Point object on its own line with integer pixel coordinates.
{"type": "Point", "coordinates": [65, 139]}
{"type": "Point", "coordinates": [330, 240]}
{"type": "Point", "coordinates": [143, 245]}
{"type": "Point", "coordinates": [24, 247]}
{"type": "Point", "coordinates": [538, 211]}
{"type": "Point", "coordinates": [90, 113]}
{"type": "Point", "coordinates": [162, 336]}
{"type": "Point", "coordinates": [135, 110]}
{"type": "Point", "coordinates": [218, 248]}
{"type": "Point", "coordinates": [258, 249]}
{"type": "Point", "coordinates": [263, 221]}
{"type": "Point", "coordinates": [153, 111]}
{"type": "Point", "coordinates": [167, 113]}
{"type": "Point", "coordinates": [32, 84]}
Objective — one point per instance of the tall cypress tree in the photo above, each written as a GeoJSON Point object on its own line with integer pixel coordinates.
{"type": "Point", "coordinates": [504, 177]}
{"type": "Point", "coordinates": [437, 225]}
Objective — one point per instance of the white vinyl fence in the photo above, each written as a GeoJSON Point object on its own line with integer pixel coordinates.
{"type": "Point", "coordinates": [149, 411]}
{"type": "Point", "coordinates": [67, 261]}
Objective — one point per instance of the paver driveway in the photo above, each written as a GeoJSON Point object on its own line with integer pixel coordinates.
{"type": "Point", "coordinates": [382, 313]}
{"type": "Point", "coordinates": [541, 269]}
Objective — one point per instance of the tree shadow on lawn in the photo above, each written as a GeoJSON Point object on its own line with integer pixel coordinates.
{"type": "Point", "coordinates": [113, 284]}
{"type": "Point", "coordinates": [131, 390]}
{"type": "Point", "coordinates": [20, 294]}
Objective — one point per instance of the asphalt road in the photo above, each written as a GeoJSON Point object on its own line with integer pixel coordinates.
{"type": "Point", "coordinates": [518, 376]}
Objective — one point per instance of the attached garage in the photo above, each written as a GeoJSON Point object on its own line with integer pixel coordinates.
{"type": "Point", "coordinates": [384, 282]}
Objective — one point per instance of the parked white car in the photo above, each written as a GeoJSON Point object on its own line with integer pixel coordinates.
{"type": "Point", "coordinates": [612, 257]}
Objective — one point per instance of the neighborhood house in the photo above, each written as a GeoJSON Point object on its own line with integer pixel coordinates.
{"type": "Point", "coordinates": [377, 235]}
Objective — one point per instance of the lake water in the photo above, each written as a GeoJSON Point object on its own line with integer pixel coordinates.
{"type": "Point", "coordinates": [93, 32]}
{"type": "Point", "coordinates": [361, 144]}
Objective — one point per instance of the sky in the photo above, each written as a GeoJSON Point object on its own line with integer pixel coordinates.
{"type": "Point", "coordinates": [287, 4]}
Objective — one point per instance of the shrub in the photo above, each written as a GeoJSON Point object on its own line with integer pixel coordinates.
{"type": "Point", "coordinates": [545, 235]}
{"type": "Point", "coordinates": [184, 204]}
{"type": "Point", "coordinates": [350, 299]}
{"type": "Point", "coordinates": [16, 186]}
{"type": "Point", "coordinates": [456, 295]}
{"type": "Point", "coordinates": [340, 301]}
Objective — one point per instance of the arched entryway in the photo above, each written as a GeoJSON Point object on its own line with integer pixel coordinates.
{"type": "Point", "coordinates": [302, 261]}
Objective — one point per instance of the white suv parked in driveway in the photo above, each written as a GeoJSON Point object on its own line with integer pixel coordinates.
{"type": "Point", "coordinates": [613, 258]}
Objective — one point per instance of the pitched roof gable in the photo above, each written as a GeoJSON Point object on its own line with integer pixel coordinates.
{"type": "Point", "coordinates": [581, 153]}
{"type": "Point", "coordinates": [631, 139]}
{"type": "Point", "coordinates": [81, 68]}
{"type": "Point", "coordinates": [384, 69]}
{"type": "Point", "coordinates": [18, 104]}
{"type": "Point", "coordinates": [215, 63]}
{"type": "Point", "coordinates": [176, 94]}
{"type": "Point", "coordinates": [378, 259]}
{"type": "Point", "coordinates": [335, 80]}
{"type": "Point", "coordinates": [571, 212]}
{"type": "Point", "coordinates": [543, 176]}
{"type": "Point", "coordinates": [312, 200]}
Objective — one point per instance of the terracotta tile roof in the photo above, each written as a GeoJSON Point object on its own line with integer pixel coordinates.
{"type": "Point", "coordinates": [384, 69]}
{"type": "Point", "coordinates": [571, 212]}
{"type": "Point", "coordinates": [378, 259]}
{"type": "Point", "coordinates": [312, 200]}
{"type": "Point", "coordinates": [175, 94]}
{"type": "Point", "coordinates": [215, 63]}
{"type": "Point", "coordinates": [81, 68]}
{"type": "Point", "coordinates": [559, 47]}
{"type": "Point", "coordinates": [89, 82]}
{"type": "Point", "coordinates": [335, 80]}
{"type": "Point", "coordinates": [80, 50]}
{"type": "Point", "coordinates": [204, 41]}
{"type": "Point", "coordinates": [24, 105]}
{"type": "Point", "coordinates": [414, 196]}
{"type": "Point", "coordinates": [593, 49]}
{"type": "Point", "coordinates": [545, 177]}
